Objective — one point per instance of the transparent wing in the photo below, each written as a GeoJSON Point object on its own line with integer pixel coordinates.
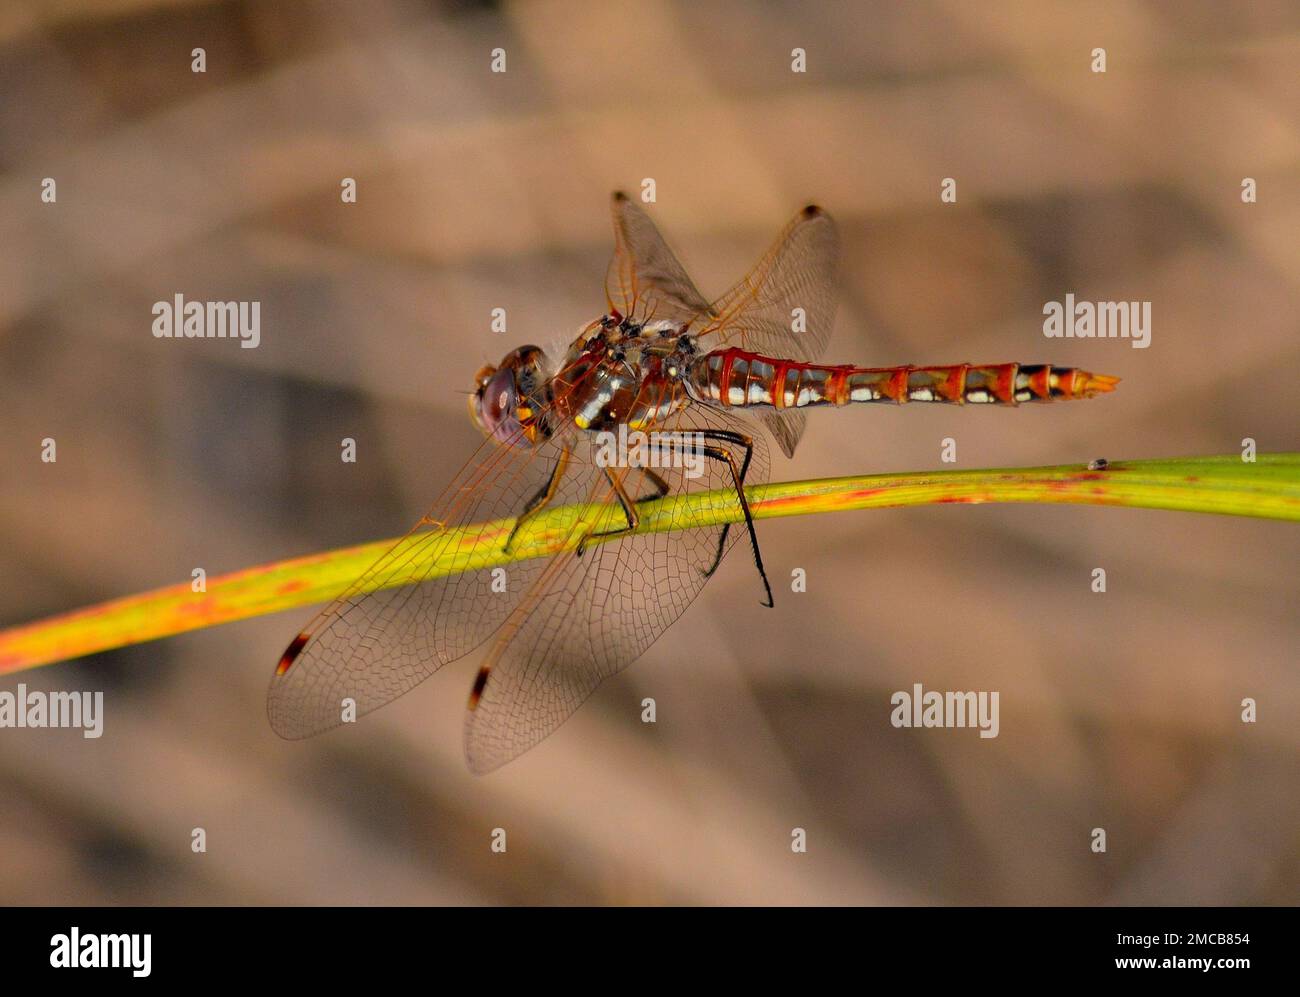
{"type": "Point", "coordinates": [784, 307]}
{"type": "Point", "coordinates": [799, 271]}
{"type": "Point", "coordinates": [644, 279]}
{"type": "Point", "coordinates": [590, 616]}
{"type": "Point", "coordinates": [373, 646]}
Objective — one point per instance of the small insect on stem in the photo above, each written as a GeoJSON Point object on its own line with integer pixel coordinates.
{"type": "Point", "coordinates": [1100, 464]}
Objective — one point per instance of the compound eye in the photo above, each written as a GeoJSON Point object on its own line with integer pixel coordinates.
{"type": "Point", "coordinates": [498, 405]}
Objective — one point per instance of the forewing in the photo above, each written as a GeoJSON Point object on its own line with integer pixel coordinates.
{"type": "Point", "coordinates": [589, 617]}
{"type": "Point", "coordinates": [799, 271]}
{"type": "Point", "coordinates": [644, 279]}
{"type": "Point", "coordinates": [373, 646]}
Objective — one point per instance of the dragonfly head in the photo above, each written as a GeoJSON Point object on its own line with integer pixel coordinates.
{"type": "Point", "coordinates": [507, 399]}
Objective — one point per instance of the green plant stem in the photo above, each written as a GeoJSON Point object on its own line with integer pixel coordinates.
{"type": "Point", "coordinates": [1267, 488]}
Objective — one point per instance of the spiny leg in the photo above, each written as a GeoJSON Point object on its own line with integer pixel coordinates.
{"type": "Point", "coordinates": [738, 478]}
{"type": "Point", "coordinates": [543, 496]}
{"type": "Point", "coordinates": [748, 444]}
{"type": "Point", "coordinates": [660, 486]}
{"type": "Point", "coordinates": [629, 510]}
{"type": "Point", "coordinates": [661, 489]}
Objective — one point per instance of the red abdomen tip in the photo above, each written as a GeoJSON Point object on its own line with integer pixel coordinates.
{"type": "Point", "coordinates": [1088, 384]}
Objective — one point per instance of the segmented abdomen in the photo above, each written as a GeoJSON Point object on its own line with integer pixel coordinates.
{"type": "Point", "coordinates": [734, 378]}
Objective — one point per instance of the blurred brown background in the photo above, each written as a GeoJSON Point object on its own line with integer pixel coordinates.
{"type": "Point", "coordinates": [478, 191]}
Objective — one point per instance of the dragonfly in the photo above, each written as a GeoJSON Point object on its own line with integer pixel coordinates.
{"type": "Point", "coordinates": [702, 386]}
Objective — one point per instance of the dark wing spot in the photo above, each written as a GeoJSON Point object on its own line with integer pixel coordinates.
{"type": "Point", "coordinates": [291, 653]}
{"type": "Point", "coordinates": [480, 681]}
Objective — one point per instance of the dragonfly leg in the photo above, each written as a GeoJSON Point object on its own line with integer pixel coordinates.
{"type": "Point", "coordinates": [629, 510]}
{"type": "Point", "coordinates": [660, 486]}
{"type": "Point", "coordinates": [726, 529]}
{"type": "Point", "coordinates": [543, 496]}
{"type": "Point", "coordinates": [738, 477]}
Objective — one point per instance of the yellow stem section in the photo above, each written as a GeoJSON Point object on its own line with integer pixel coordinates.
{"type": "Point", "coordinates": [1268, 487]}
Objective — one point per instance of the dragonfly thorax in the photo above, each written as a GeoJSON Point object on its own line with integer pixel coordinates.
{"type": "Point", "coordinates": [623, 372]}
